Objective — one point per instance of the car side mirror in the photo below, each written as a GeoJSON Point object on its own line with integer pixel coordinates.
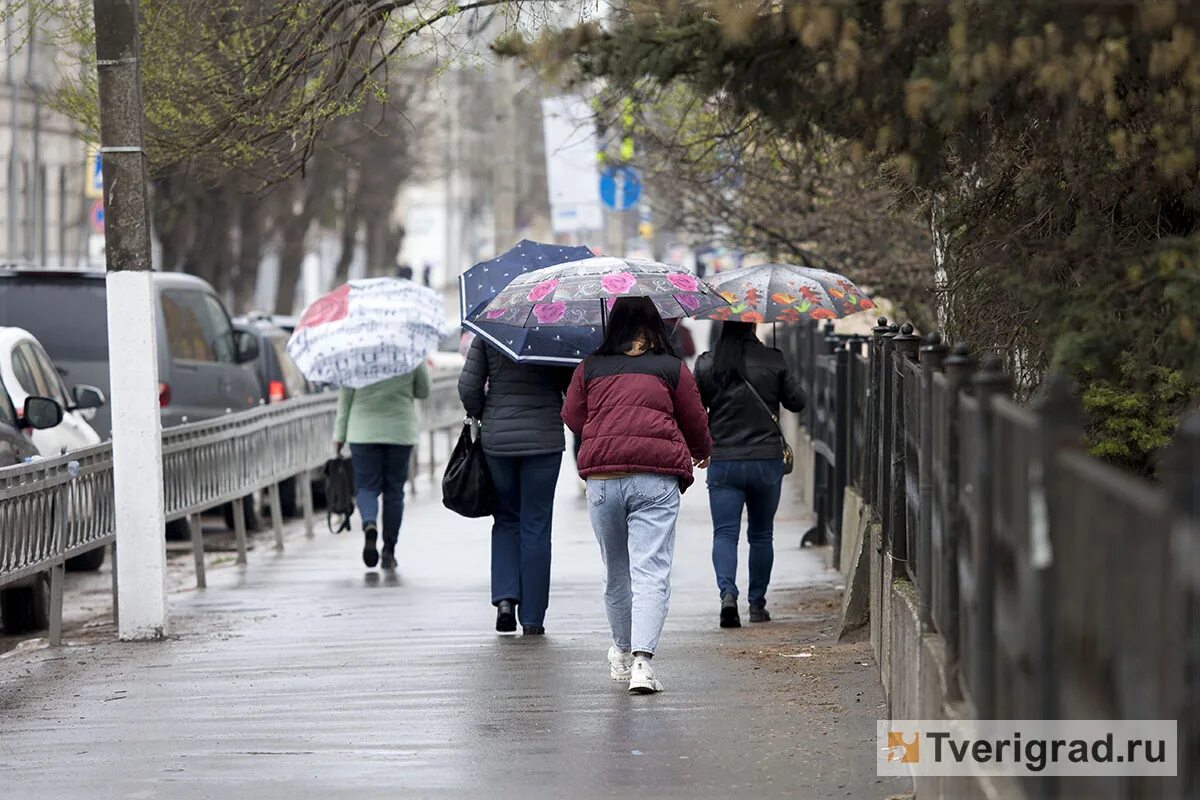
{"type": "Point", "coordinates": [41, 413]}
{"type": "Point", "coordinates": [88, 396]}
{"type": "Point", "coordinates": [246, 346]}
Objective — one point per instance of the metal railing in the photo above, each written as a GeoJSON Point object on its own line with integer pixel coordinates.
{"type": "Point", "coordinates": [1060, 585]}
{"type": "Point", "coordinates": [56, 508]}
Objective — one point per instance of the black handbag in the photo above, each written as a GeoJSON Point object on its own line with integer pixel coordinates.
{"type": "Point", "coordinates": [467, 485]}
{"type": "Point", "coordinates": [339, 492]}
{"type": "Point", "coordinates": [789, 458]}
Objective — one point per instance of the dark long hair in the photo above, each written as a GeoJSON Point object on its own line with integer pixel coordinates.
{"type": "Point", "coordinates": [633, 318]}
{"type": "Point", "coordinates": [729, 356]}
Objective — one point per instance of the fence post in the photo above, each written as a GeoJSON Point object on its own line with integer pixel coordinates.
{"type": "Point", "coordinates": [304, 482]}
{"type": "Point", "coordinates": [1059, 427]}
{"type": "Point", "coordinates": [116, 586]}
{"type": "Point", "coordinates": [883, 492]}
{"type": "Point", "coordinates": [841, 446]}
{"type": "Point", "coordinates": [276, 514]}
{"type": "Point", "coordinates": [933, 353]}
{"type": "Point", "coordinates": [197, 532]}
{"type": "Point", "coordinates": [989, 382]}
{"type": "Point", "coordinates": [239, 529]}
{"type": "Point", "coordinates": [874, 414]}
{"type": "Point", "coordinates": [959, 368]}
{"type": "Point", "coordinates": [57, 577]}
{"type": "Point", "coordinates": [1181, 474]}
{"type": "Point", "coordinates": [906, 345]}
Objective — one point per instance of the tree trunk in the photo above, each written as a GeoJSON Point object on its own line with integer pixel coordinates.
{"type": "Point", "coordinates": [250, 249]}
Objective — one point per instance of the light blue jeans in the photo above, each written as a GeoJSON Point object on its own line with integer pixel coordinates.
{"type": "Point", "coordinates": [634, 520]}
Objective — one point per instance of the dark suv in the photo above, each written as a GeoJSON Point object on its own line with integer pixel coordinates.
{"type": "Point", "coordinates": [201, 360]}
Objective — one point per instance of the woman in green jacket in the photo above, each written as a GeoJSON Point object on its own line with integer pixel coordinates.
{"type": "Point", "coordinates": [380, 424]}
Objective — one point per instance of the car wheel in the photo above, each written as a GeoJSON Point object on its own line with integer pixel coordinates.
{"type": "Point", "coordinates": [26, 608]}
{"type": "Point", "coordinates": [178, 530]}
{"type": "Point", "coordinates": [249, 509]}
{"type": "Point", "coordinates": [87, 562]}
{"type": "Point", "coordinates": [287, 498]}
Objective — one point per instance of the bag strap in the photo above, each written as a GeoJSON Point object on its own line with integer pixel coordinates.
{"type": "Point", "coordinates": [767, 408]}
{"type": "Point", "coordinates": [344, 526]}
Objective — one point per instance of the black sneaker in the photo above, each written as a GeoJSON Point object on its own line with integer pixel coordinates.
{"type": "Point", "coordinates": [370, 554]}
{"type": "Point", "coordinates": [729, 612]}
{"type": "Point", "coordinates": [506, 616]}
{"type": "Point", "coordinates": [759, 614]}
{"type": "Point", "coordinates": [533, 630]}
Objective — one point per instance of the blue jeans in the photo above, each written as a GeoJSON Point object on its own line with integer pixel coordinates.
{"type": "Point", "coordinates": [521, 531]}
{"type": "Point", "coordinates": [755, 484]}
{"type": "Point", "coordinates": [381, 469]}
{"type": "Point", "coordinates": [634, 520]}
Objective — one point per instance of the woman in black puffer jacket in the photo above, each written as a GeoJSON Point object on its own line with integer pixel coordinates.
{"type": "Point", "coordinates": [519, 406]}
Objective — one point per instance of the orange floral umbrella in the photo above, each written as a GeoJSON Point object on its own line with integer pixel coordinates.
{"type": "Point", "coordinates": [786, 293]}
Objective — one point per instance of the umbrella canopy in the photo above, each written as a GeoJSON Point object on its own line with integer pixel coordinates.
{"type": "Point", "coordinates": [367, 331]}
{"type": "Point", "coordinates": [482, 282]}
{"type": "Point", "coordinates": [786, 293]}
{"type": "Point", "coordinates": [579, 293]}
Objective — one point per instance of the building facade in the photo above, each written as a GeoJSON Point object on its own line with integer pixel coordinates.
{"type": "Point", "coordinates": [46, 215]}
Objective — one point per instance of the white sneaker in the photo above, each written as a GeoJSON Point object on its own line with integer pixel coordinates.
{"type": "Point", "coordinates": [641, 678]}
{"type": "Point", "coordinates": [619, 664]}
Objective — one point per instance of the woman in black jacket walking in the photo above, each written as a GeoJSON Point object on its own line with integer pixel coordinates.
{"type": "Point", "coordinates": [519, 406]}
{"type": "Point", "coordinates": [747, 460]}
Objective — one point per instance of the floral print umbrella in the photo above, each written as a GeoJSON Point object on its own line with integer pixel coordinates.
{"type": "Point", "coordinates": [367, 331]}
{"type": "Point", "coordinates": [481, 283]}
{"type": "Point", "coordinates": [580, 292]}
{"type": "Point", "coordinates": [786, 293]}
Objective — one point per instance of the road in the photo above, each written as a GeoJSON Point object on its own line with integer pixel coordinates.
{"type": "Point", "coordinates": [306, 675]}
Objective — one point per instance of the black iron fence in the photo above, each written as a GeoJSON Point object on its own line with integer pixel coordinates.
{"type": "Point", "coordinates": [1062, 586]}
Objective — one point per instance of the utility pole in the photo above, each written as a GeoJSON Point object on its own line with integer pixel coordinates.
{"type": "Point", "coordinates": [133, 343]}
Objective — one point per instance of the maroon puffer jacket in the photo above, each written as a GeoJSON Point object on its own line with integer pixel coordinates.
{"type": "Point", "coordinates": [637, 414]}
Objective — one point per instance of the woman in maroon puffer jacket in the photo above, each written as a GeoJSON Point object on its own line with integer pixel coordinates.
{"type": "Point", "coordinates": [643, 427]}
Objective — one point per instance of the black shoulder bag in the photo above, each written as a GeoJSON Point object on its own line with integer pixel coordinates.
{"type": "Point", "coordinates": [339, 492]}
{"type": "Point", "coordinates": [789, 459]}
{"type": "Point", "coordinates": [466, 484]}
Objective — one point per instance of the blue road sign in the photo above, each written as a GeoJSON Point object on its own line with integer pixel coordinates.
{"type": "Point", "coordinates": [96, 216]}
{"type": "Point", "coordinates": [620, 188]}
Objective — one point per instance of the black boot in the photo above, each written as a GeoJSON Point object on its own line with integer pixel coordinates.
{"type": "Point", "coordinates": [389, 551]}
{"type": "Point", "coordinates": [533, 630]}
{"type": "Point", "coordinates": [759, 614]}
{"type": "Point", "coordinates": [506, 616]}
{"type": "Point", "coordinates": [370, 554]}
{"type": "Point", "coordinates": [729, 612]}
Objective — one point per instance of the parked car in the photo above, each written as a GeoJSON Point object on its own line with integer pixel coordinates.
{"type": "Point", "coordinates": [200, 357]}
{"type": "Point", "coordinates": [201, 360]}
{"type": "Point", "coordinates": [285, 322]}
{"type": "Point", "coordinates": [279, 379]}
{"type": "Point", "coordinates": [25, 604]}
{"type": "Point", "coordinates": [27, 372]}
{"type": "Point", "coordinates": [278, 376]}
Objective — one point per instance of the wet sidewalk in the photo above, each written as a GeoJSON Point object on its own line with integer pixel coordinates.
{"type": "Point", "coordinates": [306, 675]}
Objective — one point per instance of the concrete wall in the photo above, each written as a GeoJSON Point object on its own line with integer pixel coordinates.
{"type": "Point", "coordinates": [918, 679]}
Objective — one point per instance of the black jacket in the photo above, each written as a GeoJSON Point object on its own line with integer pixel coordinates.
{"type": "Point", "coordinates": [741, 428]}
{"type": "Point", "coordinates": [519, 404]}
